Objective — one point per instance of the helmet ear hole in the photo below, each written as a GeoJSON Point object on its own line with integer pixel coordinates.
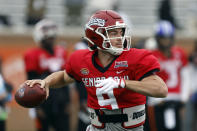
{"type": "Point", "coordinates": [107, 45]}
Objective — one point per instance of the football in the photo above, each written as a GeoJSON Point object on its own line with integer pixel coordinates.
{"type": "Point", "coordinates": [29, 97]}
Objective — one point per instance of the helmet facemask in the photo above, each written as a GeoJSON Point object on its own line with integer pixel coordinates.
{"type": "Point", "coordinates": [106, 45]}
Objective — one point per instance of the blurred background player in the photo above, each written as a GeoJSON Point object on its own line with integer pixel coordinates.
{"type": "Point", "coordinates": [168, 112]}
{"type": "Point", "coordinates": [5, 96]}
{"type": "Point", "coordinates": [41, 61]}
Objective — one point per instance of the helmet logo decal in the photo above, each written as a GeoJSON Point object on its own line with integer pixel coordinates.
{"type": "Point", "coordinates": [96, 21]}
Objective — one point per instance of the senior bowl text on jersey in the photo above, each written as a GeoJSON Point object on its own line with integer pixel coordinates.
{"type": "Point", "coordinates": [90, 82]}
{"type": "Point", "coordinates": [135, 64]}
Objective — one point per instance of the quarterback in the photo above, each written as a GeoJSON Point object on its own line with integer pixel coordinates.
{"type": "Point", "coordinates": [117, 78]}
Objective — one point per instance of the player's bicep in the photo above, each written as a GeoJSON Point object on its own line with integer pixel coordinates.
{"type": "Point", "coordinates": [153, 79]}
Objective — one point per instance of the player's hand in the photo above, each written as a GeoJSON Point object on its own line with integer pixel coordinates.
{"type": "Point", "coordinates": [109, 84]}
{"type": "Point", "coordinates": [42, 83]}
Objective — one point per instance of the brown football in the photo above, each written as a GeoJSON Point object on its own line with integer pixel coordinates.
{"type": "Point", "coordinates": [30, 96]}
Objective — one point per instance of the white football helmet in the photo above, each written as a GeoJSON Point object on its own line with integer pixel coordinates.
{"type": "Point", "coordinates": [44, 29]}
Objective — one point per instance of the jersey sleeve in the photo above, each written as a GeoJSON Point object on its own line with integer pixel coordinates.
{"type": "Point", "coordinates": [146, 64]}
{"type": "Point", "coordinates": [63, 51]}
{"type": "Point", "coordinates": [71, 69]}
{"type": "Point", "coordinates": [30, 62]}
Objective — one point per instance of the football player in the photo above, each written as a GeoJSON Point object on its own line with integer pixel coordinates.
{"type": "Point", "coordinates": [41, 61]}
{"type": "Point", "coordinates": [167, 111]}
{"type": "Point", "coordinates": [117, 78]}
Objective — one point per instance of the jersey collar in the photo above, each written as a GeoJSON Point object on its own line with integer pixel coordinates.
{"type": "Point", "coordinates": [100, 68]}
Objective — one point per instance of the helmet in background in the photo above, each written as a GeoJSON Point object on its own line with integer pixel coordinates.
{"type": "Point", "coordinates": [164, 35]}
{"type": "Point", "coordinates": [96, 32]}
{"type": "Point", "coordinates": [164, 29]}
{"type": "Point", "coordinates": [44, 29]}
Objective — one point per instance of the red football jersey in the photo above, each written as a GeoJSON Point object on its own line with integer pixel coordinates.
{"type": "Point", "coordinates": [133, 65]}
{"type": "Point", "coordinates": [41, 61]}
{"type": "Point", "coordinates": [171, 68]}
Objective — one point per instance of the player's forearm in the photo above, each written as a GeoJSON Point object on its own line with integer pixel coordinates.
{"type": "Point", "coordinates": [57, 79]}
{"type": "Point", "coordinates": [152, 86]}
